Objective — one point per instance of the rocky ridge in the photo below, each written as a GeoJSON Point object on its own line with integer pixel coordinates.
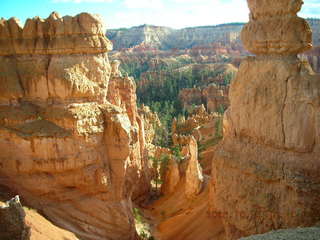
{"type": "Point", "coordinates": [167, 38]}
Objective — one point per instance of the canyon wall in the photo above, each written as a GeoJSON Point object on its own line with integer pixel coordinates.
{"type": "Point", "coordinates": [67, 151]}
{"type": "Point", "coordinates": [167, 38]}
{"type": "Point", "coordinates": [265, 173]}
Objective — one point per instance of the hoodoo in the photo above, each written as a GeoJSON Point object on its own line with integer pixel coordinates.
{"type": "Point", "coordinates": [65, 149]}
{"type": "Point", "coordinates": [265, 173]}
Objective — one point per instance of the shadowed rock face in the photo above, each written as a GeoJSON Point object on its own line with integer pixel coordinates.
{"type": "Point", "coordinates": [266, 171]}
{"type": "Point", "coordinates": [12, 222]}
{"type": "Point", "coordinates": [65, 149]}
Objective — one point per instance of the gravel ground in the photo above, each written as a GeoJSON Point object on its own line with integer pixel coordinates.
{"type": "Point", "coordinates": [312, 233]}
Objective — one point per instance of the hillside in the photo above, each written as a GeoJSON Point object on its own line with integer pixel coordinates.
{"type": "Point", "coordinates": [165, 38]}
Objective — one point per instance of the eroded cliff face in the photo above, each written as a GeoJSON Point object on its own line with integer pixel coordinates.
{"type": "Point", "coordinates": [148, 36]}
{"type": "Point", "coordinates": [168, 38]}
{"type": "Point", "coordinates": [68, 152]}
{"type": "Point", "coordinates": [266, 171]}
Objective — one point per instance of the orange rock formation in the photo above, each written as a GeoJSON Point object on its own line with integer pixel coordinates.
{"type": "Point", "coordinates": [266, 171]}
{"type": "Point", "coordinates": [65, 149]}
{"type": "Point", "coordinates": [215, 97]}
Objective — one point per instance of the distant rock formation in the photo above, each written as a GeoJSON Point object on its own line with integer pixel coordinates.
{"type": "Point", "coordinates": [164, 38]}
{"type": "Point", "coordinates": [167, 38]}
{"type": "Point", "coordinates": [65, 149]}
{"type": "Point", "coordinates": [213, 96]}
{"type": "Point", "coordinates": [313, 57]}
{"type": "Point", "coordinates": [266, 170]}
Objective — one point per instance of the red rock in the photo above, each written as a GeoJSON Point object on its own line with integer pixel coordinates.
{"type": "Point", "coordinates": [65, 149]}
{"type": "Point", "coordinates": [265, 173]}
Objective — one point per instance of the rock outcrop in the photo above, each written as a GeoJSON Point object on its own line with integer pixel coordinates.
{"type": "Point", "coordinates": [171, 178]}
{"type": "Point", "coordinates": [12, 221]}
{"type": "Point", "coordinates": [194, 125]}
{"type": "Point", "coordinates": [22, 223]}
{"type": "Point", "coordinates": [215, 97]}
{"type": "Point", "coordinates": [266, 170]}
{"type": "Point", "coordinates": [151, 122]}
{"type": "Point", "coordinates": [66, 150]}
{"type": "Point", "coordinates": [194, 177]}
{"type": "Point", "coordinates": [56, 35]}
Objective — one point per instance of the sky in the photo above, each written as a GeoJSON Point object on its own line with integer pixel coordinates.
{"type": "Point", "coordinates": [128, 13]}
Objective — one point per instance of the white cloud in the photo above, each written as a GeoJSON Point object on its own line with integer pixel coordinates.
{"type": "Point", "coordinates": [82, 1]}
{"type": "Point", "coordinates": [145, 4]}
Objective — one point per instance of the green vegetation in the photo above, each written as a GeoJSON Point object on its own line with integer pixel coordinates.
{"type": "Point", "coordinates": [160, 166]}
{"type": "Point", "coordinates": [219, 128]}
{"type": "Point", "coordinates": [176, 151]}
{"type": "Point", "coordinates": [137, 215]}
{"type": "Point", "coordinates": [159, 85]}
{"type": "Point", "coordinates": [142, 227]}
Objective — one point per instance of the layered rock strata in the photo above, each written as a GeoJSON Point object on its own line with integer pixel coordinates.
{"type": "Point", "coordinates": [68, 152]}
{"type": "Point", "coordinates": [265, 173]}
{"type": "Point", "coordinates": [150, 37]}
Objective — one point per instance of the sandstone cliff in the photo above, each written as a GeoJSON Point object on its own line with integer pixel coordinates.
{"type": "Point", "coordinates": [68, 152]}
{"type": "Point", "coordinates": [266, 171]}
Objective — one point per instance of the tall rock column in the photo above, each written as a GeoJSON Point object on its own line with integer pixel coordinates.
{"type": "Point", "coordinates": [265, 173]}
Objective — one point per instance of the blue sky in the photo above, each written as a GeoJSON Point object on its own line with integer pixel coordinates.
{"type": "Point", "coordinates": [127, 13]}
